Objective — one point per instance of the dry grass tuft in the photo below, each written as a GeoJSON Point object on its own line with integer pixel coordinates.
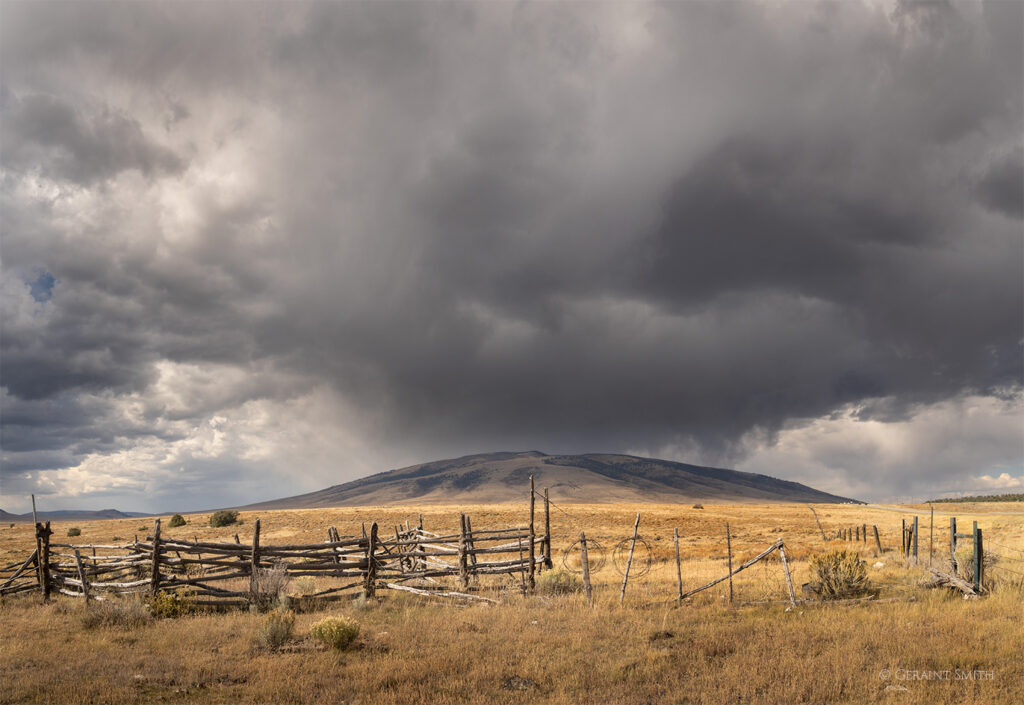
{"type": "Point", "coordinates": [121, 614]}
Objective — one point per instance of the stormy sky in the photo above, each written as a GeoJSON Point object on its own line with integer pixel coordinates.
{"type": "Point", "coordinates": [254, 249]}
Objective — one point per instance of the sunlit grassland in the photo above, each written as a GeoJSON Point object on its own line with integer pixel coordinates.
{"type": "Point", "coordinates": [557, 649]}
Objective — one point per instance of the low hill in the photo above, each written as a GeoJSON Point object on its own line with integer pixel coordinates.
{"type": "Point", "coordinates": [591, 478]}
{"type": "Point", "coordinates": [71, 515]}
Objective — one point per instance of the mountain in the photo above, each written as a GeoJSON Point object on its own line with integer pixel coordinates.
{"type": "Point", "coordinates": [71, 515]}
{"type": "Point", "coordinates": [591, 478]}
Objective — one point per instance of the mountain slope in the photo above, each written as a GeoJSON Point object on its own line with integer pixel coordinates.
{"type": "Point", "coordinates": [591, 478]}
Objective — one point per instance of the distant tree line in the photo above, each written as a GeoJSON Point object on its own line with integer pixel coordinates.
{"type": "Point", "coordinates": [984, 498]}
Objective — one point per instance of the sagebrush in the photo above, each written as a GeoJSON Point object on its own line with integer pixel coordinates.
{"type": "Point", "coordinates": [336, 632]}
{"type": "Point", "coordinates": [275, 630]}
{"type": "Point", "coordinates": [840, 574]}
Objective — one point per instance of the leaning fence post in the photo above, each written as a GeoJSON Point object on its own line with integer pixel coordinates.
{"type": "Point", "coordinates": [370, 587]}
{"type": "Point", "coordinates": [585, 561]}
{"type": "Point", "coordinates": [878, 543]}
{"type": "Point", "coordinates": [154, 577]}
{"type": "Point", "coordinates": [547, 531]}
{"type": "Point", "coordinates": [533, 536]}
{"type": "Point", "coordinates": [728, 548]}
{"type": "Point", "coordinates": [789, 580]}
{"type": "Point", "coordinates": [629, 560]}
{"type": "Point", "coordinates": [679, 570]}
{"type": "Point", "coordinates": [823, 538]}
{"type": "Point", "coordinates": [81, 576]}
{"type": "Point", "coordinates": [254, 561]}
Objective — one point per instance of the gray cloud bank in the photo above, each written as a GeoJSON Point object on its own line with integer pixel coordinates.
{"type": "Point", "coordinates": [291, 244]}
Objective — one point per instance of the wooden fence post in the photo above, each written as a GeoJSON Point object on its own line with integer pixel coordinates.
{"type": "Point", "coordinates": [44, 561]}
{"type": "Point", "coordinates": [254, 561]}
{"type": "Point", "coordinates": [915, 539]}
{"type": "Point", "coordinates": [789, 580]}
{"type": "Point", "coordinates": [864, 533]}
{"type": "Point", "coordinates": [979, 561]}
{"type": "Point", "coordinates": [154, 576]}
{"type": "Point", "coordinates": [903, 540]}
{"type": "Point", "coordinates": [856, 533]}
{"type": "Point", "coordinates": [371, 563]}
{"type": "Point", "coordinates": [585, 561]}
{"type": "Point", "coordinates": [728, 548]}
{"type": "Point", "coordinates": [547, 531]}
{"type": "Point", "coordinates": [471, 546]}
{"type": "Point", "coordinates": [679, 570]}
{"type": "Point", "coordinates": [952, 544]}
{"type": "Point", "coordinates": [39, 546]}
{"type": "Point", "coordinates": [463, 566]}
{"type": "Point", "coordinates": [878, 542]}
{"type": "Point", "coordinates": [533, 536]}
{"type": "Point", "coordinates": [931, 534]}
{"type": "Point", "coordinates": [629, 560]}
{"type": "Point", "coordinates": [81, 576]}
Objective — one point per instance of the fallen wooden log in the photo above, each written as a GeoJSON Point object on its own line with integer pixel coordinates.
{"type": "Point", "coordinates": [954, 582]}
{"type": "Point", "coordinates": [436, 593]}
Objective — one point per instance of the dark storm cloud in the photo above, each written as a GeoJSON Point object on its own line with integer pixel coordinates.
{"type": "Point", "coordinates": [42, 132]}
{"type": "Point", "coordinates": [572, 227]}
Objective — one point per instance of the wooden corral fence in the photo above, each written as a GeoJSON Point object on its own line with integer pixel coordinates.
{"type": "Point", "coordinates": [411, 559]}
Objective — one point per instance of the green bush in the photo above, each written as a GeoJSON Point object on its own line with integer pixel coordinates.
{"type": "Point", "coordinates": [176, 520]}
{"type": "Point", "coordinates": [123, 614]}
{"type": "Point", "coordinates": [224, 517]}
{"type": "Point", "coordinates": [558, 582]}
{"type": "Point", "coordinates": [169, 605]}
{"type": "Point", "coordinates": [336, 632]}
{"type": "Point", "coordinates": [275, 630]}
{"type": "Point", "coordinates": [840, 574]}
{"type": "Point", "coordinates": [74, 531]}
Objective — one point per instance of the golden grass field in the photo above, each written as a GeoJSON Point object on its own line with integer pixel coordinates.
{"type": "Point", "coordinates": [557, 648]}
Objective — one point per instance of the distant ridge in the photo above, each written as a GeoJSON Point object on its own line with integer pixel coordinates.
{"type": "Point", "coordinates": [596, 478]}
{"type": "Point", "coordinates": [71, 515]}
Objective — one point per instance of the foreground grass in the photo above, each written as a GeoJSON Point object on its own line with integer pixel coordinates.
{"type": "Point", "coordinates": [548, 650]}
{"type": "Point", "coordinates": [557, 649]}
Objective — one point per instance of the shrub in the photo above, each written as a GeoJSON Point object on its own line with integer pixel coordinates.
{"type": "Point", "coordinates": [306, 585]}
{"type": "Point", "coordinates": [74, 531]}
{"type": "Point", "coordinates": [965, 565]}
{"type": "Point", "coordinates": [275, 630]}
{"type": "Point", "coordinates": [270, 584]}
{"type": "Point", "coordinates": [123, 614]}
{"type": "Point", "coordinates": [336, 632]}
{"type": "Point", "coordinates": [168, 604]}
{"type": "Point", "coordinates": [558, 582]}
{"type": "Point", "coordinates": [176, 520]}
{"type": "Point", "coordinates": [698, 506]}
{"type": "Point", "coordinates": [224, 517]}
{"type": "Point", "coordinates": [840, 574]}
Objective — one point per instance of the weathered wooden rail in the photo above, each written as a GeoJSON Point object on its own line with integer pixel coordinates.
{"type": "Point", "coordinates": [234, 573]}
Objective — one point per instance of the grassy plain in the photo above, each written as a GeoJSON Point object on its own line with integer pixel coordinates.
{"type": "Point", "coordinates": [911, 646]}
